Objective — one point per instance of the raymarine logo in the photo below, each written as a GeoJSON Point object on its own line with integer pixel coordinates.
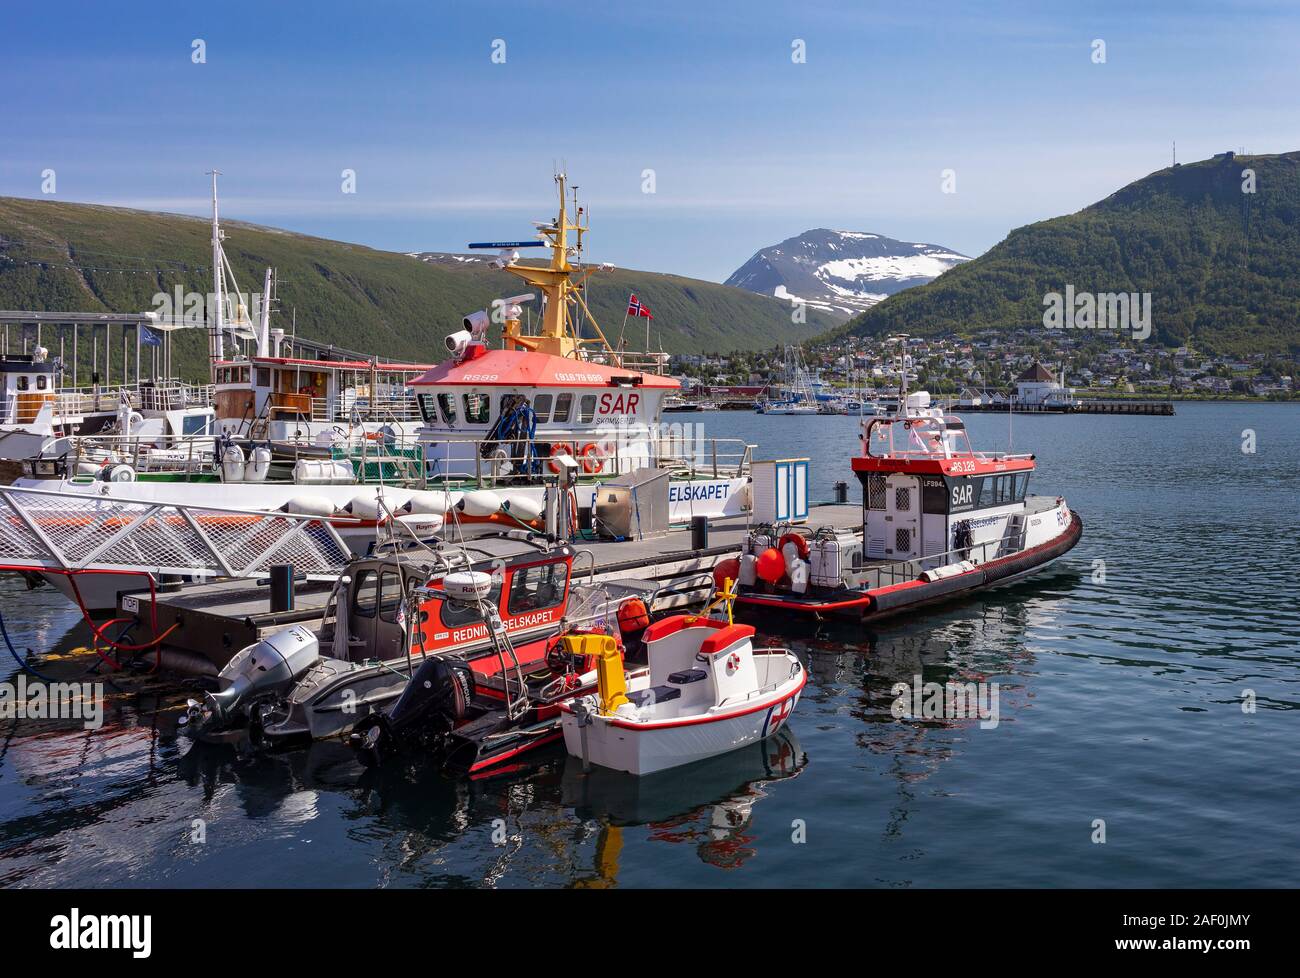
{"type": "Point", "coordinates": [97, 932]}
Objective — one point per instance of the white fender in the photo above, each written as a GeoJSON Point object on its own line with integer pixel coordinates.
{"type": "Point", "coordinates": [365, 507]}
{"type": "Point", "coordinates": [232, 464]}
{"type": "Point", "coordinates": [799, 577]}
{"type": "Point", "coordinates": [257, 467]}
{"type": "Point", "coordinates": [310, 506]}
{"type": "Point", "coordinates": [522, 507]}
{"type": "Point", "coordinates": [480, 502]}
{"type": "Point", "coordinates": [429, 502]}
{"type": "Point", "coordinates": [748, 575]}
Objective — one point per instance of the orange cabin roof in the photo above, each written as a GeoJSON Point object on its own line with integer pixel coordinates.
{"type": "Point", "coordinates": [525, 368]}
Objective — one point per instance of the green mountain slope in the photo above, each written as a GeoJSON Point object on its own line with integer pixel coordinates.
{"type": "Point", "coordinates": [85, 257]}
{"type": "Point", "coordinates": [1222, 266]}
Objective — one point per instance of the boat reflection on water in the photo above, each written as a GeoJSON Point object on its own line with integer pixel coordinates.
{"type": "Point", "coordinates": [709, 804]}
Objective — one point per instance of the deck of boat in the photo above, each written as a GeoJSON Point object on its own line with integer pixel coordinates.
{"type": "Point", "coordinates": [221, 617]}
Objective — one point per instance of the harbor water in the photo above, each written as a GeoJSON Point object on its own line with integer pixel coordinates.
{"type": "Point", "coordinates": [1148, 694]}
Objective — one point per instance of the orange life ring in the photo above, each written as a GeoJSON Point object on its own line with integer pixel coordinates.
{"type": "Point", "coordinates": [798, 539]}
{"type": "Point", "coordinates": [558, 449]}
{"type": "Point", "coordinates": [593, 459]}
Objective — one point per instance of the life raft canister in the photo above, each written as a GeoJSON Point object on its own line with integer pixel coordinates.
{"type": "Point", "coordinates": [557, 449]}
{"type": "Point", "coordinates": [633, 616]}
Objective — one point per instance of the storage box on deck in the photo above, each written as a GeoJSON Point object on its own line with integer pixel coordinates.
{"type": "Point", "coordinates": [633, 506]}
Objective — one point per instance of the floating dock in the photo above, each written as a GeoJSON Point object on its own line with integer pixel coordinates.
{"type": "Point", "coordinates": [214, 620]}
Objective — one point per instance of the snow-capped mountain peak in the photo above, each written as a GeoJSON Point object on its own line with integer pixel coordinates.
{"type": "Point", "coordinates": [842, 272]}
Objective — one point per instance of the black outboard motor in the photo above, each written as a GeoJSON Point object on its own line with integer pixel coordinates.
{"type": "Point", "coordinates": [434, 703]}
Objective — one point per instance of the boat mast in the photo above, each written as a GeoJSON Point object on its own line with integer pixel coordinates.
{"type": "Point", "coordinates": [561, 284]}
{"type": "Point", "coordinates": [217, 345]}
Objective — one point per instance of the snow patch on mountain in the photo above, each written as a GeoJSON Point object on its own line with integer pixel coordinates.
{"type": "Point", "coordinates": [842, 272]}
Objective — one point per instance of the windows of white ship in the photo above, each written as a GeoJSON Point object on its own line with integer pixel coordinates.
{"type": "Point", "coordinates": [542, 408]}
{"type": "Point", "coordinates": [903, 499]}
{"type": "Point", "coordinates": [902, 541]}
{"type": "Point", "coordinates": [478, 408]}
{"type": "Point", "coordinates": [587, 409]}
{"type": "Point", "coordinates": [563, 405]}
{"type": "Point", "coordinates": [447, 406]}
{"type": "Point", "coordinates": [428, 410]}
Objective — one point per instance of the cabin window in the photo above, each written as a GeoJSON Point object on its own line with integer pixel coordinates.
{"type": "Point", "coordinates": [1022, 486]}
{"type": "Point", "coordinates": [428, 410]}
{"type": "Point", "coordinates": [563, 404]}
{"type": "Point", "coordinates": [447, 405]}
{"type": "Point", "coordinates": [876, 490]}
{"type": "Point", "coordinates": [367, 594]}
{"type": "Point", "coordinates": [263, 376]}
{"type": "Point", "coordinates": [41, 382]}
{"type": "Point", "coordinates": [478, 407]}
{"type": "Point", "coordinates": [537, 587]}
{"type": "Point", "coordinates": [542, 408]}
{"type": "Point", "coordinates": [586, 408]}
{"type": "Point", "coordinates": [196, 424]}
{"type": "Point", "coordinates": [390, 596]}
{"type": "Point", "coordinates": [22, 383]}
{"type": "Point", "coordinates": [455, 615]}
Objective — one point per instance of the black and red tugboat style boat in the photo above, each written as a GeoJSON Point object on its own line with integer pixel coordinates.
{"type": "Point", "coordinates": [939, 520]}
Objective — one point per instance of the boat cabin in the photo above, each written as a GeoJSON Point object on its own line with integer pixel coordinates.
{"type": "Point", "coordinates": [530, 592]}
{"type": "Point", "coordinates": [28, 385]}
{"type": "Point", "coordinates": [504, 413]}
{"type": "Point", "coordinates": [927, 495]}
{"type": "Point", "coordinates": [287, 396]}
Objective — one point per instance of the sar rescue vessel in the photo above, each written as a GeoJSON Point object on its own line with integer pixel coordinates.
{"type": "Point", "coordinates": [500, 435]}
{"type": "Point", "coordinates": [939, 520]}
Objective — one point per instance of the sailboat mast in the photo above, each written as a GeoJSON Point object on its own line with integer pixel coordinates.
{"type": "Point", "coordinates": [218, 277]}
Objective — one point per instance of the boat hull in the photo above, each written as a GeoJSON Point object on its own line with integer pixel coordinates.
{"type": "Point", "coordinates": [646, 748]}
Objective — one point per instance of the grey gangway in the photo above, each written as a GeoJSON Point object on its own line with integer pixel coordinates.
{"type": "Point", "coordinates": [44, 530]}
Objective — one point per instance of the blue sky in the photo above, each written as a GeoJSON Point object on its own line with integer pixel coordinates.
{"type": "Point", "coordinates": [748, 147]}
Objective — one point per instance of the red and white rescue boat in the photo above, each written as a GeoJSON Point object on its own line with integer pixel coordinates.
{"type": "Point", "coordinates": [938, 520]}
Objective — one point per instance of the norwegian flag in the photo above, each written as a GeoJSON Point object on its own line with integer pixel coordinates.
{"type": "Point", "coordinates": [635, 307]}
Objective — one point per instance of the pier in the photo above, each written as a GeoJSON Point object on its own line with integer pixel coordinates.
{"type": "Point", "coordinates": [1078, 406]}
{"type": "Point", "coordinates": [214, 620]}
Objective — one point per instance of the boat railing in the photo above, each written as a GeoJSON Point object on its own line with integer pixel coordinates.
{"type": "Point", "coordinates": [899, 572]}
{"type": "Point", "coordinates": [176, 454]}
{"type": "Point", "coordinates": [71, 533]}
{"type": "Point", "coordinates": [461, 457]}
{"type": "Point", "coordinates": [162, 395]}
{"type": "Point", "coordinates": [347, 410]}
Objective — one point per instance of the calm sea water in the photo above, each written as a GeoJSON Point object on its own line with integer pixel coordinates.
{"type": "Point", "coordinates": [1120, 700]}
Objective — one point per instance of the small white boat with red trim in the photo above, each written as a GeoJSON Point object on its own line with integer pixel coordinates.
{"type": "Point", "coordinates": [709, 691]}
{"type": "Point", "coordinates": [938, 520]}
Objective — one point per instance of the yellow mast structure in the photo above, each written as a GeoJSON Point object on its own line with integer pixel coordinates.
{"type": "Point", "coordinates": [561, 283]}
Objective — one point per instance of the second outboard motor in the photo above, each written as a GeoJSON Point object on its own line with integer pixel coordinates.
{"type": "Point", "coordinates": [434, 703]}
{"type": "Point", "coordinates": [269, 666]}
